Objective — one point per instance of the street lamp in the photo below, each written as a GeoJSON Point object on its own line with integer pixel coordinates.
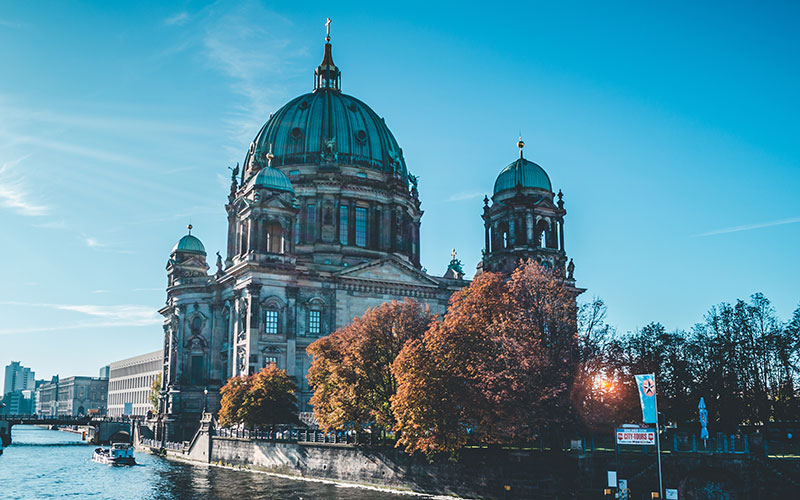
{"type": "Point", "coordinates": [205, 399]}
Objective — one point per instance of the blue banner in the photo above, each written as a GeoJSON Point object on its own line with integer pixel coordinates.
{"type": "Point", "coordinates": [647, 396]}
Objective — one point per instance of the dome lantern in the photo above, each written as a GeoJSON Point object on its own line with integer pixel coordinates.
{"type": "Point", "coordinates": [327, 75]}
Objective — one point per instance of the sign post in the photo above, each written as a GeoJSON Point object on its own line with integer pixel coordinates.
{"type": "Point", "coordinates": [647, 397]}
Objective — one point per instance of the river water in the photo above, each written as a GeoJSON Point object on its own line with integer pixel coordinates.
{"type": "Point", "coordinates": [41, 464]}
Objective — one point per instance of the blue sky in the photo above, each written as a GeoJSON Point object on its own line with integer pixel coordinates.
{"type": "Point", "coordinates": [671, 129]}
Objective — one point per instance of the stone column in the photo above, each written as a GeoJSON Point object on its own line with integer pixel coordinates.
{"type": "Point", "coordinates": [561, 234]}
{"type": "Point", "coordinates": [179, 313]}
{"type": "Point", "coordinates": [231, 237]}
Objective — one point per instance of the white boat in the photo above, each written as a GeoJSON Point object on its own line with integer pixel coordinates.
{"type": "Point", "coordinates": [118, 454]}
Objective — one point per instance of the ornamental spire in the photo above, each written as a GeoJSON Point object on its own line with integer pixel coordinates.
{"type": "Point", "coordinates": [520, 145]}
{"type": "Point", "coordinates": [327, 75]}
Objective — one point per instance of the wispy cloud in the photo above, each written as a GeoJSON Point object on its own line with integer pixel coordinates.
{"type": "Point", "coordinates": [464, 196]}
{"type": "Point", "coordinates": [110, 316]}
{"type": "Point", "coordinates": [749, 227]}
{"type": "Point", "coordinates": [101, 291]}
{"type": "Point", "coordinates": [254, 56]}
{"type": "Point", "coordinates": [180, 19]}
{"type": "Point", "coordinates": [15, 195]}
{"type": "Point", "coordinates": [7, 23]}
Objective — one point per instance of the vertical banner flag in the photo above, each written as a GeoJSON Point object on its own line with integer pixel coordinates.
{"type": "Point", "coordinates": [647, 396]}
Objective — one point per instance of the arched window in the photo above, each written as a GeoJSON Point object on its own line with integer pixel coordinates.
{"type": "Point", "coordinates": [275, 239]}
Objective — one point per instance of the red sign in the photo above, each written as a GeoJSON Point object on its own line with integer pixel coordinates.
{"type": "Point", "coordinates": [641, 436]}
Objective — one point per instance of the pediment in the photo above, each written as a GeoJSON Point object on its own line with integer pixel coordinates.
{"type": "Point", "coordinates": [389, 270]}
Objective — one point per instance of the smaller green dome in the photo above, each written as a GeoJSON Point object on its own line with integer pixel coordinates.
{"type": "Point", "coordinates": [189, 244]}
{"type": "Point", "coordinates": [272, 178]}
{"type": "Point", "coordinates": [523, 173]}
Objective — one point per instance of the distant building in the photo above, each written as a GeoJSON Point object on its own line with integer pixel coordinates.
{"type": "Point", "coordinates": [73, 396]}
{"type": "Point", "coordinates": [104, 371]}
{"type": "Point", "coordinates": [47, 398]}
{"type": "Point", "coordinates": [18, 378]}
{"type": "Point", "coordinates": [129, 383]}
{"type": "Point", "coordinates": [17, 403]}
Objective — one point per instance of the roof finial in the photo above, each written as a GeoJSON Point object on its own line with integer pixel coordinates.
{"type": "Point", "coordinates": [270, 156]}
{"type": "Point", "coordinates": [189, 227]}
{"type": "Point", "coordinates": [520, 145]}
{"type": "Point", "coordinates": [327, 75]}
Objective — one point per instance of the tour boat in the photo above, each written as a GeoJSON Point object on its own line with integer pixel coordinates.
{"type": "Point", "coordinates": [118, 454]}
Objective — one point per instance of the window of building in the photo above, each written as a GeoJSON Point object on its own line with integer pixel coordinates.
{"type": "Point", "coordinates": [271, 322]}
{"type": "Point", "coordinates": [343, 222]}
{"type": "Point", "coordinates": [311, 222]}
{"type": "Point", "coordinates": [314, 322]}
{"type": "Point", "coordinates": [297, 231]}
{"type": "Point", "coordinates": [274, 238]}
{"type": "Point", "coordinates": [361, 226]}
{"type": "Point", "coordinates": [196, 368]}
{"type": "Point", "coordinates": [270, 360]}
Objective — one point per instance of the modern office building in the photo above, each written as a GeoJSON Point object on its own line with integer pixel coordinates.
{"type": "Point", "coordinates": [18, 378]}
{"type": "Point", "coordinates": [130, 382]}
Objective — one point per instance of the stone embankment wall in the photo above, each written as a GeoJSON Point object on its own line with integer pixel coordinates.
{"type": "Point", "coordinates": [498, 473]}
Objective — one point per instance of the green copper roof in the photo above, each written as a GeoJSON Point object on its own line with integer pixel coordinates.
{"type": "Point", "coordinates": [523, 173]}
{"type": "Point", "coordinates": [189, 244]}
{"type": "Point", "coordinates": [272, 178]}
{"type": "Point", "coordinates": [326, 127]}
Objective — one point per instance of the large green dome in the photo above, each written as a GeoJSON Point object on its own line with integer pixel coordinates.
{"type": "Point", "coordinates": [327, 126]}
{"type": "Point", "coordinates": [523, 173]}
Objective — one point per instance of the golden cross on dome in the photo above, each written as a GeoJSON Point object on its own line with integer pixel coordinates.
{"type": "Point", "coordinates": [328, 30]}
{"type": "Point", "coordinates": [453, 254]}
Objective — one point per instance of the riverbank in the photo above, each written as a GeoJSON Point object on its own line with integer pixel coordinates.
{"type": "Point", "coordinates": [491, 473]}
{"type": "Point", "coordinates": [41, 463]}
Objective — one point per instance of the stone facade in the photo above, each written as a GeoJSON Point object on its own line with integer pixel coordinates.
{"type": "Point", "coordinates": [323, 223]}
{"type": "Point", "coordinates": [72, 396]}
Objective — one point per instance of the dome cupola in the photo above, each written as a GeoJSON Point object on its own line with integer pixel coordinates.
{"type": "Point", "coordinates": [189, 244]}
{"type": "Point", "coordinates": [522, 173]}
{"type": "Point", "coordinates": [274, 179]}
{"type": "Point", "coordinates": [327, 127]}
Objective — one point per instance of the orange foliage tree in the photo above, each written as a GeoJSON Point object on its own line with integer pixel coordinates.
{"type": "Point", "coordinates": [351, 371]}
{"type": "Point", "coordinates": [265, 398]}
{"type": "Point", "coordinates": [498, 368]}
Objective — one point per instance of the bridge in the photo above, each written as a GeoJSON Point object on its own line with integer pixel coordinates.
{"type": "Point", "coordinates": [8, 421]}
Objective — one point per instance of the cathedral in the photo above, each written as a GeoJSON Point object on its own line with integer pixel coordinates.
{"type": "Point", "coordinates": [323, 223]}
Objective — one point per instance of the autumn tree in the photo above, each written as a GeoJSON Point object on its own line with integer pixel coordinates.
{"type": "Point", "coordinates": [498, 368]}
{"type": "Point", "coordinates": [351, 371]}
{"type": "Point", "coordinates": [231, 410]}
{"type": "Point", "coordinates": [265, 398]}
{"type": "Point", "coordinates": [155, 391]}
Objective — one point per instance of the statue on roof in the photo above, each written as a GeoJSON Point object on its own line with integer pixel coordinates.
{"type": "Point", "coordinates": [455, 264]}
